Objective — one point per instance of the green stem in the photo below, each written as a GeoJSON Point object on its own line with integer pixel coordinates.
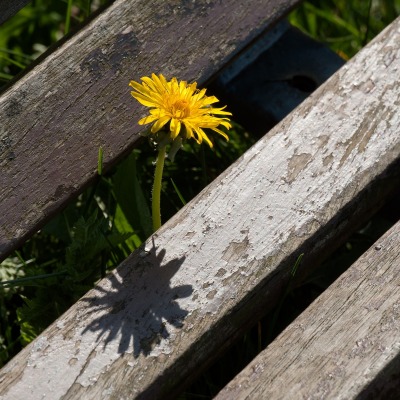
{"type": "Point", "coordinates": [157, 188]}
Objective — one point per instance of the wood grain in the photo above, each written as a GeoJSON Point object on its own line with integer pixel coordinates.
{"type": "Point", "coordinates": [54, 119]}
{"type": "Point", "coordinates": [10, 7]}
{"type": "Point", "coordinates": [344, 346]}
{"type": "Point", "coordinates": [148, 328]}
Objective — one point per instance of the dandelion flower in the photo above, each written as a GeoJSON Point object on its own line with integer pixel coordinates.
{"type": "Point", "coordinates": [186, 109]}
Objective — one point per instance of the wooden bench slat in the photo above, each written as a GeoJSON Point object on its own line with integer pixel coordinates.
{"type": "Point", "coordinates": [10, 7]}
{"type": "Point", "coordinates": [56, 117]}
{"type": "Point", "coordinates": [220, 263]}
{"type": "Point", "coordinates": [345, 345]}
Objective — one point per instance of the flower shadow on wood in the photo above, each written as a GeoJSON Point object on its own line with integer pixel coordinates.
{"type": "Point", "coordinates": [137, 303]}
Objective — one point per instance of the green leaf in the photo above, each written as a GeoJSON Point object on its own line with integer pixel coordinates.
{"type": "Point", "coordinates": [123, 226]}
{"type": "Point", "coordinates": [130, 197]}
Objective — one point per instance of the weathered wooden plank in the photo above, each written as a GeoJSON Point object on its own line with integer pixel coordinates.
{"type": "Point", "coordinates": [10, 7]}
{"type": "Point", "coordinates": [215, 267]}
{"type": "Point", "coordinates": [344, 346]}
{"type": "Point", "coordinates": [56, 117]}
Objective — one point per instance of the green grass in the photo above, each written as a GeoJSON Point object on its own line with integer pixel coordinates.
{"type": "Point", "coordinates": [109, 220]}
{"type": "Point", "coordinates": [35, 28]}
{"type": "Point", "coordinates": [346, 26]}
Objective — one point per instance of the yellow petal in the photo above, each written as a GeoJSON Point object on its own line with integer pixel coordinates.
{"type": "Point", "coordinates": [151, 84]}
{"type": "Point", "coordinates": [147, 120]}
{"type": "Point", "coordinates": [214, 110]}
{"type": "Point", "coordinates": [160, 83]}
{"type": "Point", "coordinates": [159, 124]}
{"type": "Point", "coordinates": [205, 137]}
{"type": "Point", "coordinates": [199, 95]}
{"type": "Point", "coordinates": [175, 127]}
{"type": "Point", "coordinates": [146, 101]}
{"type": "Point", "coordinates": [189, 131]}
{"type": "Point", "coordinates": [221, 133]}
{"type": "Point", "coordinates": [209, 100]}
{"type": "Point", "coordinates": [226, 124]}
{"type": "Point", "coordinates": [163, 81]}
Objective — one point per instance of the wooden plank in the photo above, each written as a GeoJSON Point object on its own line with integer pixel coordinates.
{"type": "Point", "coordinates": [77, 99]}
{"type": "Point", "coordinates": [10, 7]}
{"type": "Point", "coordinates": [344, 346]}
{"type": "Point", "coordinates": [219, 264]}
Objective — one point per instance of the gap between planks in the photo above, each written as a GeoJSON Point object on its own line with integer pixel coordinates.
{"type": "Point", "coordinates": [344, 346]}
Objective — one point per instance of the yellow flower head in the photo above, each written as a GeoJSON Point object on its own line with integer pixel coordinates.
{"type": "Point", "coordinates": [187, 109]}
